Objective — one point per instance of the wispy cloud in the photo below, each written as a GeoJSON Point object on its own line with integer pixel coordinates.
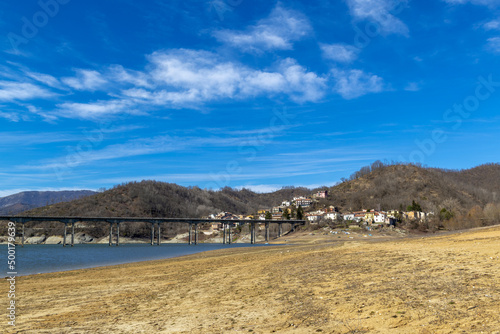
{"type": "Point", "coordinates": [493, 44]}
{"type": "Point", "coordinates": [474, 2]}
{"type": "Point", "coordinates": [136, 147]}
{"type": "Point", "coordinates": [341, 53]}
{"type": "Point", "coordinates": [276, 32]}
{"type": "Point", "coordinates": [492, 25]}
{"type": "Point", "coordinates": [18, 91]}
{"type": "Point", "coordinates": [96, 110]}
{"type": "Point", "coordinates": [351, 84]}
{"type": "Point", "coordinates": [45, 79]}
{"type": "Point", "coordinates": [9, 139]}
{"type": "Point", "coordinates": [413, 87]}
{"type": "Point", "coordinates": [85, 80]}
{"type": "Point", "coordinates": [379, 11]}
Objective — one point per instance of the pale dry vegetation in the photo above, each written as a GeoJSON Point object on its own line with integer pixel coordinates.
{"type": "Point", "coordinates": [445, 284]}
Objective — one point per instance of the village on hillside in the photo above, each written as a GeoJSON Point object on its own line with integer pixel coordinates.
{"type": "Point", "coordinates": [308, 208]}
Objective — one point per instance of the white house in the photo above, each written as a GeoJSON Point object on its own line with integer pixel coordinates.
{"type": "Point", "coordinates": [379, 217]}
{"type": "Point", "coordinates": [304, 202]}
{"type": "Point", "coordinates": [333, 215]}
{"type": "Point", "coordinates": [313, 217]}
{"type": "Point", "coordinates": [349, 216]}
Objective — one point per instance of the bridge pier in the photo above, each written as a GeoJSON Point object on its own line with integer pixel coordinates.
{"type": "Point", "coordinates": [22, 237]}
{"type": "Point", "coordinates": [190, 232]}
{"type": "Point", "coordinates": [159, 236]}
{"type": "Point", "coordinates": [72, 234]}
{"type": "Point", "coordinates": [280, 230]}
{"type": "Point", "coordinates": [196, 233]}
{"type": "Point", "coordinates": [152, 233]}
{"type": "Point", "coordinates": [110, 234]}
{"type": "Point", "coordinates": [118, 234]}
{"type": "Point", "coordinates": [229, 233]}
{"type": "Point", "coordinates": [223, 233]}
{"type": "Point", "coordinates": [64, 236]}
{"type": "Point", "coordinates": [252, 233]}
{"type": "Point", "coordinates": [267, 231]}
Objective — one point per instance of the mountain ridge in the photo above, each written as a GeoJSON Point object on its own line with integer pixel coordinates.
{"type": "Point", "coordinates": [379, 186]}
{"type": "Point", "coordinates": [26, 200]}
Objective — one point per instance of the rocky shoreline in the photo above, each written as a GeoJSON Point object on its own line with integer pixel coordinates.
{"type": "Point", "coordinates": [85, 238]}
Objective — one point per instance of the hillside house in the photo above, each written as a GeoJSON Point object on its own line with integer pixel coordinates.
{"type": "Point", "coordinates": [349, 216]}
{"type": "Point", "coordinates": [359, 217]}
{"type": "Point", "coordinates": [314, 217]}
{"type": "Point", "coordinates": [379, 217]}
{"type": "Point", "coordinates": [304, 202]}
{"type": "Point", "coordinates": [321, 194]}
{"type": "Point", "coordinates": [333, 215]}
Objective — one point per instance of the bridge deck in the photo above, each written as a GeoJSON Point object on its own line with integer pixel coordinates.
{"type": "Point", "coordinates": [154, 221]}
{"type": "Point", "coordinates": [25, 219]}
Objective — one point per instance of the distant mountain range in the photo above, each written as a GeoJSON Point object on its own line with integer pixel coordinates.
{"type": "Point", "coordinates": [26, 200]}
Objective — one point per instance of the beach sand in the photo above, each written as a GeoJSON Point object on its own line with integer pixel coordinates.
{"type": "Point", "coordinates": [443, 284]}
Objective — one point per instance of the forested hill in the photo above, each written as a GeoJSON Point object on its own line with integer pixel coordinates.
{"type": "Point", "coordinates": [160, 199]}
{"type": "Point", "coordinates": [384, 187]}
{"type": "Point", "coordinates": [377, 186]}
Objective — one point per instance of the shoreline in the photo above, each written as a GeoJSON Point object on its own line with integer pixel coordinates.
{"type": "Point", "coordinates": [120, 262]}
{"type": "Point", "coordinates": [407, 285]}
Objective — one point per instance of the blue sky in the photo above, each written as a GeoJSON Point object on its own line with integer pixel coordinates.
{"type": "Point", "coordinates": [256, 94]}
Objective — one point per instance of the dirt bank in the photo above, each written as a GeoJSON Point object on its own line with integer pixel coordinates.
{"type": "Point", "coordinates": [444, 284]}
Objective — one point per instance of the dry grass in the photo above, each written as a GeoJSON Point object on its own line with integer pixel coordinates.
{"type": "Point", "coordinates": [445, 284]}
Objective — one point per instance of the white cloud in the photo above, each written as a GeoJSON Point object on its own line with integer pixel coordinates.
{"type": "Point", "coordinates": [190, 77]}
{"type": "Point", "coordinates": [119, 74]}
{"type": "Point", "coordinates": [15, 91]}
{"type": "Point", "coordinates": [95, 110]}
{"type": "Point", "coordinates": [198, 72]}
{"type": "Point", "coordinates": [379, 11]}
{"type": "Point", "coordinates": [341, 53]}
{"type": "Point", "coordinates": [412, 87]}
{"type": "Point", "coordinates": [46, 79]}
{"type": "Point", "coordinates": [474, 2]}
{"type": "Point", "coordinates": [302, 85]}
{"type": "Point", "coordinates": [492, 25]}
{"type": "Point", "coordinates": [494, 44]}
{"type": "Point", "coordinates": [11, 116]}
{"type": "Point", "coordinates": [85, 80]}
{"type": "Point", "coordinates": [355, 83]}
{"type": "Point", "coordinates": [276, 32]}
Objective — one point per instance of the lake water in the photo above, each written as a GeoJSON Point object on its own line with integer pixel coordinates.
{"type": "Point", "coordinates": [34, 259]}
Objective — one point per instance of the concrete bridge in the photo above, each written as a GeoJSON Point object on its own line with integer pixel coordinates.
{"type": "Point", "coordinates": [155, 222]}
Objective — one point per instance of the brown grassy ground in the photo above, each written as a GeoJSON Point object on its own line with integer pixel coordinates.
{"type": "Point", "coordinates": [444, 284]}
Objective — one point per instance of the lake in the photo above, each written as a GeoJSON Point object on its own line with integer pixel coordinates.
{"type": "Point", "coordinates": [34, 259]}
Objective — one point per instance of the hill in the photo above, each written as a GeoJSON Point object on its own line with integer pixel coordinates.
{"type": "Point", "coordinates": [393, 186]}
{"type": "Point", "coordinates": [160, 199]}
{"type": "Point", "coordinates": [27, 200]}
{"type": "Point", "coordinates": [379, 186]}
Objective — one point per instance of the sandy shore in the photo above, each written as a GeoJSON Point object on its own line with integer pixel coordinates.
{"type": "Point", "coordinates": [444, 284]}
